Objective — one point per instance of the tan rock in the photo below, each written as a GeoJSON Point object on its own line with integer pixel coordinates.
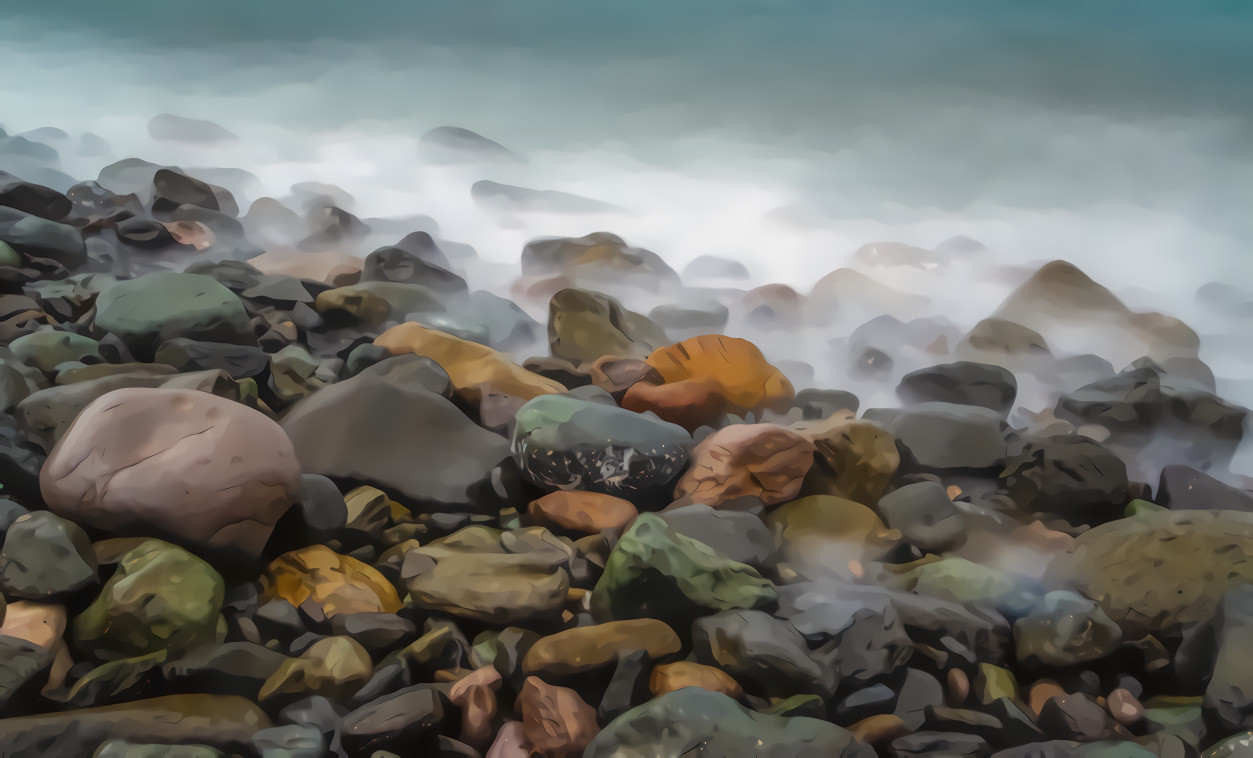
{"type": "Point", "coordinates": [335, 583]}
{"type": "Point", "coordinates": [41, 624]}
{"type": "Point", "coordinates": [1124, 706]}
{"type": "Point", "coordinates": [860, 456]}
{"type": "Point", "coordinates": [880, 729]}
{"type": "Point", "coordinates": [475, 694]}
{"type": "Point", "coordinates": [761, 460]}
{"type": "Point", "coordinates": [585, 648]}
{"type": "Point", "coordinates": [318, 266]}
{"type": "Point", "coordinates": [958, 685]}
{"type": "Point", "coordinates": [707, 377]}
{"type": "Point", "coordinates": [556, 721]}
{"type": "Point", "coordinates": [335, 667]}
{"type": "Point", "coordinates": [577, 511]}
{"type": "Point", "coordinates": [475, 370]}
{"type": "Point", "coordinates": [669, 677]}
{"type": "Point", "coordinates": [196, 469]}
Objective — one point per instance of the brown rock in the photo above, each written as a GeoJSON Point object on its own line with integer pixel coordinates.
{"type": "Point", "coordinates": [329, 267]}
{"type": "Point", "coordinates": [577, 511]}
{"type": "Point", "coordinates": [225, 722]}
{"type": "Point", "coordinates": [334, 667]}
{"type": "Point", "coordinates": [556, 721]}
{"type": "Point", "coordinates": [475, 370]}
{"type": "Point", "coordinates": [669, 677]}
{"type": "Point", "coordinates": [585, 648]}
{"type": "Point", "coordinates": [714, 375]}
{"type": "Point", "coordinates": [199, 470]}
{"type": "Point", "coordinates": [879, 729]}
{"type": "Point", "coordinates": [761, 460]}
{"type": "Point", "coordinates": [192, 233]}
{"type": "Point", "coordinates": [41, 624]}
{"type": "Point", "coordinates": [334, 583]}
{"type": "Point", "coordinates": [958, 686]}
{"type": "Point", "coordinates": [1041, 692]}
{"type": "Point", "coordinates": [860, 456]}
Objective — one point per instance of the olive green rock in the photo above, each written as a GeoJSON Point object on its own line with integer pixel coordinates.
{"type": "Point", "coordinates": [156, 307]}
{"type": "Point", "coordinates": [584, 325]}
{"type": "Point", "coordinates": [162, 598]}
{"type": "Point", "coordinates": [9, 256]}
{"type": "Point", "coordinates": [655, 572]}
{"type": "Point", "coordinates": [1157, 570]}
{"type": "Point", "coordinates": [969, 583]}
{"type": "Point", "coordinates": [48, 348]}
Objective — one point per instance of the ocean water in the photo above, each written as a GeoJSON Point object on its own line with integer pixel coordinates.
{"type": "Point", "coordinates": [784, 134]}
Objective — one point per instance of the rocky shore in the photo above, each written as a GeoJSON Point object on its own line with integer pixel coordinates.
{"type": "Point", "coordinates": [277, 499]}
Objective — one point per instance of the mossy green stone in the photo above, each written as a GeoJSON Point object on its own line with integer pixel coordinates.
{"type": "Point", "coordinates": [655, 572]}
{"type": "Point", "coordinates": [963, 581]}
{"type": "Point", "coordinates": [163, 305]}
{"type": "Point", "coordinates": [49, 348]}
{"type": "Point", "coordinates": [9, 256]}
{"type": "Point", "coordinates": [162, 598]}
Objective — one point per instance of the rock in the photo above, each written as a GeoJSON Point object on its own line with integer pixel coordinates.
{"type": "Point", "coordinates": [510, 742]}
{"type": "Point", "coordinates": [46, 349]}
{"type": "Point", "coordinates": [585, 325]}
{"type": "Point", "coordinates": [333, 667]}
{"type": "Point", "coordinates": [1071, 310]}
{"type": "Point", "coordinates": [167, 126]}
{"type": "Point", "coordinates": [484, 575]}
{"type": "Point", "coordinates": [821, 532]}
{"type": "Point", "coordinates": [405, 720]}
{"type": "Point", "coordinates": [583, 512]}
{"type": "Point", "coordinates": [939, 745]}
{"type": "Point", "coordinates": [962, 581]}
{"type": "Point", "coordinates": [1238, 746]}
{"type": "Point", "coordinates": [452, 144]}
{"type": "Point", "coordinates": [713, 267]}
{"type": "Point", "coordinates": [336, 584]}
{"type": "Point", "coordinates": [586, 648]}
{"type": "Point", "coordinates": [1064, 629]}
{"type": "Point", "coordinates": [506, 198]}
{"type": "Point", "coordinates": [564, 443]}
{"type": "Point", "coordinates": [172, 189]}
{"type": "Point", "coordinates": [998, 336]}
{"type": "Point", "coordinates": [946, 436]}
{"type": "Point", "coordinates": [708, 377]}
{"type": "Point", "coordinates": [35, 199]}
{"type": "Point", "coordinates": [767, 655]}
{"type": "Point", "coordinates": [161, 599]}
{"type": "Point", "coordinates": [655, 572]}
{"type": "Point", "coordinates": [35, 237]}
{"type": "Point", "coordinates": [446, 454]}
{"type": "Point", "coordinates": [218, 721]}
{"type": "Point", "coordinates": [738, 535]}
{"type": "Point", "coordinates": [555, 720]}
{"type": "Point", "coordinates": [235, 667]}
{"type": "Point", "coordinates": [1229, 696]}
{"type": "Point", "coordinates": [964, 383]}
{"type": "Point", "coordinates": [40, 624]}
{"type": "Point", "coordinates": [1159, 569]}
{"type": "Point", "coordinates": [816, 404]}
{"type": "Point", "coordinates": [773, 307]}
{"type": "Point", "coordinates": [1079, 718]}
{"type": "Point", "coordinates": [290, 741]}
{"type": "Point", "coordinates": [925, 516]}
{"type": "Point", "coordinates": [858, 635]}
{"type": "Point", "coordinates": [185, 355]}
{"type": "Point", "coordinates": [496, 322]}
{"type": "Point", "coordinates": [880, 729]}
{"type": "Point", "coordinates": [671, 677]}
{"type": "Point", "coordinates": [164, 305]}
{"type": "Point", "coordinates": [1124, 707]}
{"type": "Point", "coordinates": [475, 370]}
{"type": "Point", "coordinates": [23, 672]}
{"type": "Point", "coordinates": [1069, 476]}
{"type": "Point", "coordinates": [691, 319]}
{"type": "Point", "coordinates": [857, 457]}
{"type": "Point", "coordinates": [669, 725]}
{"type": "Point", "coordinates": [101, 473]}
{"type": "Point", "coordinates": [45, 558]}
{"type": "Point", "coordinates": [599, 258]}
{"type": "Point", "coordinates": [1183, 488]}
{"type": "Point", "coordinates": [765, 461]}
{"type": "Point", "coordinates": [377, 304]}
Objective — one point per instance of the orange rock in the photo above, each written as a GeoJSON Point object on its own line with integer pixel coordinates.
{"type": "Point", "coordinates": [762, 460]}
{"type": "Point", "coordinates": [880, 729]}
{"type": "Point", "coordinates": [555, 720]}
{"type": "Point", "coordinates": [577, 511]}
{"type": "Point", "coordinates": [860, 456]}
{"type": "Point", "coordinates": [585, 648]}
{"type": "Point", "coordinates": [41, 624]}
{"type": "Point", "coordinates": [669, 677]}
{"type": "Point", "coordinates": [475, 370]}
{"type": "Point", "coordinates": [336, 583]}
{"type": "Point", "coordinates": [1041, 692]}
{"type": "Point", "coordinates": [725, 374]}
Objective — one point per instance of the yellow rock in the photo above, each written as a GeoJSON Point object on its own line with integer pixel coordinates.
{"type": "Point", "coordinates": [475, 370]}
{"type": "Point", "coordinates": [337, 583]}
{"type": "Point", "coordinates": [861, 458]}
{"type": "Point", "coordinates": [669, 677]}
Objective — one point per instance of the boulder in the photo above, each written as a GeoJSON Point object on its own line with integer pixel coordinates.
{"type": "Point", "coordinates": [767, 655]}
{"type": "Point", "coordinates": [44, 558]}
{"type": "Point", "coordinates": [925, 516]}
{"type": "Point", "coordinates": [584, 512]}
{"type": "Point", "coordinates": [586, 648]}
{"type": "Point", "coordinates": [765, 461]}
{"type": "Point", "coordinates": [562, 442]}
{"type": "Point", "coordinates": [964, 383]}
{"type": "Point", "coordinates": [160, 306]}
{"type": "Point", "coordinates": [1069, 476]}
{"type": "Point", "coordinates": [857, 458]}
{"type": "Point", "coordinates": [599, 258]}
{"type": "Point", "coordinates": [35, 237]}
{"type": "Point", "coordinates": [708, 377]}
{"type": "Point", "coordinates": [739, 535]}
{"type": "Point", "coordinates": [335, 584]}
{"type": "Point", "coordinates": [585, 325]}
{"type": "Point", "coordinates": [205, 472]}
{"type": "Point", "coordinates": [1064, 629]}
{"type": "Point", "coordinates": [946, 436]}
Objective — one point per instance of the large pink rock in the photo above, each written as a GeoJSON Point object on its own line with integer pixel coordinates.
{"type": "Point", "coordinates": [205, 472]}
